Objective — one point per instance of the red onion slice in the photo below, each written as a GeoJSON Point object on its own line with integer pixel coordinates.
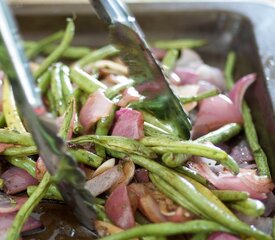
{"type": "Point", "coordinates": [129, 123]}
{"type": "Point", "coordinates": [10, 204]}
{"type": "Point", "coordinates": [105, 180]}
{"type": "Point", "coordinates": [17, 180]}
{"type": "Point", "coordinates": [96, 107]}
{"type": "Point", "coordinates": [118, 208]}
{"type": "Point", "coordinates": [239, 89]}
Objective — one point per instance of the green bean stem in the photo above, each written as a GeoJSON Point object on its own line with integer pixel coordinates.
{"type": "Point", "coordinates": [200, 97]}
{"type": "Point", "coordinates": [101, 53]}
{"type": "Point", "coordinates": [204, 204]}
{"type": "Point", "coordinates": [55, 55]}
{"type": "Point", "coordinates": [180, 43]}
{"type": "Point", "coordinates": [249, 127]}
{"type": "Point", "coordinates": [27, 208]}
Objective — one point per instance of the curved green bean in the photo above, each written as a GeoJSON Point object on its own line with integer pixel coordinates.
{"type": "Point", "coordinates": [40, 45]}
{"type": "Point", "coordinates": [24, 163]}
{"type": "Point", "coordinates": [101, 53]}
{"type": "Point", "coordinates": [167, 229]}
{"type": "Point", "coordinates": [202, 203]}
{"type": "Point", "coordinates": [27, 208]}
{"type": "Point", "coordinates": [55, 55]}
{"type": "Point", "coordinates": [192, 148]}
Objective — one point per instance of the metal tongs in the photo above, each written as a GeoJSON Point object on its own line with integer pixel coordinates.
{"type": "Point", "coordinates": [42, 127]}
{"type": "Point", "coordinates": [149, 78]}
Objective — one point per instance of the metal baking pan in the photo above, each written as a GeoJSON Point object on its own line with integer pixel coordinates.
{"type": "Point", "coordinates": [245, 27]}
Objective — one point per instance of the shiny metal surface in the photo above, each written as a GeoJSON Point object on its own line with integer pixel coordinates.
{"type": "Point", "coordinates": [149, 78]}
{"type": "Point", "coordinates": [52, 148]}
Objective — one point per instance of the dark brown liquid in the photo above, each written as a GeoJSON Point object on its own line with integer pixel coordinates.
{"type": "Point", "coordinates": [59, 224]}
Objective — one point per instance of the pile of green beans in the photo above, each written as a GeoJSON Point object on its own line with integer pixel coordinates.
{"type": "Point", "coordinates": [66, 88]}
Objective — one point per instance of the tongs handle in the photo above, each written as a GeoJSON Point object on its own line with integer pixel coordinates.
{"type": "Point", "coordinates": [116, 12]}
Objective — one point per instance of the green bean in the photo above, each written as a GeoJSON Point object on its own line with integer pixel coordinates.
{"type": "Point", "coordinates": [222, 134]}
{"type": "Point", "coordinates": [154, 121]}
{"type": "Point", "coordinates": [180, 43]}
{"type": "Point", "coordinates": [167, 229]}
{"type": "Point", "coordinates": [44, 81]}
{"type": "Point", "coordinates": [229, 70]}
{"type": "Point", "coordinates": [51, 103]}
{"type": "Point", "coordinates": [230, 195]}
{"type": "Point", "coordinates": [67, 88]}
{"type": "Point", "coordinates": [68, 118]}
{"type": "Point", "coordinates": [14, 137]}
{"type": "Point", "coordinates": [116, 89]}
{"type": "Point", "coordinates": [252, 139]}
{"type": "Point", "coordinates": [200, 236]}
{"type": "Point", "coordinates": [199, 97]}
{"type": "Point", "coordinates": [102, 128]}
{"type": "Point", "coordinates": [249, 127]}
{"type": "Point", "coordinates": [51, 194]}
{"type": "Point", "coordinates": [173, 160]}
{"type": "Point", "coordinates": [2, 120]}
{"type": "Point", "coordinates": [204, 204]}
{"type": "Point", "coordinates": [72, 52]}
{"type": "Point", "coordinates": [20, 151]}
{"type": "Point", "coordinates": [77, 125]}
{"type": "Point", "coordinates": [100, 213]}
{"type": "Point", "coordinates": [14, 122]}
{"type": "Point", "coordinates": [192, 148]}
{"type": "Point", "coordinates": [86, 157]}
{"type": "Point", "coordinates": [120, 144]}
{"type": "Point", "coordinates": [54, 56]}
{"type": "Point", "coordinates": [24, 212]}
{"type": "Point", "coordinates": [85, 81]}
{"type": "Point", "coordinates": [192, 174]}
{"type": "Point", "coordinates": [169, 60]}
{"type": "Point", "coordinates": [9, 109]}
{"type": "Point", "coordinates": [153, 131]}
{"type": "Point", "coordinates": [40, 45]}
{"type": "Point", "coordinates": [250, 207]}
{"type": "Point", "coordinates": [24, 163]}
{"type": "Point", "coordinates": [173, 194]}
{"type": "Point", "coordinates": [101, 53]}
{"type": "Point", "coordinates": [56, 88]}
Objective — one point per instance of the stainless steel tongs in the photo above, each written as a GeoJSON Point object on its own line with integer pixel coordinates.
{"type": "Point", "coordinates": [149, 78]}
{"type": "Point", "coordinates": [51, 148]}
